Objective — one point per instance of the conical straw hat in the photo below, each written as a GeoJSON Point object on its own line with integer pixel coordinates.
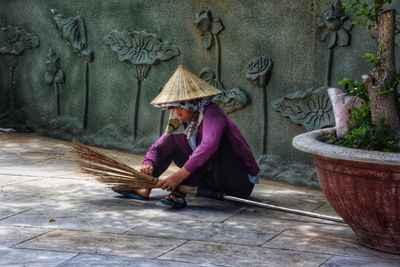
{"type": "Point", "coordinates": [184, 86]}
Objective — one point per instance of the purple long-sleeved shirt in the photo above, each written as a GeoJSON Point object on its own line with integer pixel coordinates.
{"type": "Point", "coordinates": [214, 126]}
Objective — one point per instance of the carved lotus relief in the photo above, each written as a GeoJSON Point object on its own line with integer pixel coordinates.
{"type": "Point", "coordinates": [310, 108]}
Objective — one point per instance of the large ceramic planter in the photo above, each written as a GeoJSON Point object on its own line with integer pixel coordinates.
{"type": "Point", "coordinates": [363, 187]}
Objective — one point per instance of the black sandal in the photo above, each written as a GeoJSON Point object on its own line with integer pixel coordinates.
{"type": "Point", "coordinates": [175, 200]}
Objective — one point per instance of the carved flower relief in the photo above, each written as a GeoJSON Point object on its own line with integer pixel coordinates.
{"type": "Point", "coordinates": [208, 26]}
{"type": "Point", "coordinates": [140, 48]}
{"type": "Point", "coordinates": [203, 21]}
{"type": "Point", "coordinates": [312, 108]}
{"type": "Point", "coordinates": [257, 71]}
{"type": "Point", "coordinates": [335, 26]}
{"type": "Point", "coordinates": [14, 41]}
{"type": "Point", "coordinates": [53, 71]}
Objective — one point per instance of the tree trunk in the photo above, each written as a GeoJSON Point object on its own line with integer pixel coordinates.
{"type": "Point", "coordinates": [383, 106]}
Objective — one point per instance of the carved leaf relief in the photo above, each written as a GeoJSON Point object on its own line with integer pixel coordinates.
{"type": "Point", "coordinates": [311, 108]}
{"type": "Point", "coordinates": [232, 100]}
{"type": "Point", "coordinates": [73, 30]}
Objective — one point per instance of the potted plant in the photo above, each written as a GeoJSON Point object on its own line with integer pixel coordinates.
{"type": "Point", "coordinates": [363, 185]}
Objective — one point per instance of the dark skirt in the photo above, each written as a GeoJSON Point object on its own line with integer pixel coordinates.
{"type": "Point", "coordinates": [223, 172]}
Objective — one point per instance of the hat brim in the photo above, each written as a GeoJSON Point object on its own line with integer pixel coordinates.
{"type": "Point", "coordinates": [184, 86]}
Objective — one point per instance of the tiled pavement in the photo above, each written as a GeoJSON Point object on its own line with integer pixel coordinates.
{"type": "Point", "coordinates": [53, 215]}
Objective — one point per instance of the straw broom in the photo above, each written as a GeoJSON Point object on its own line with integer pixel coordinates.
{"type": "Point", "coordinates": [120, 176]}
{"type": "Point", "coordinates": [115, 173]}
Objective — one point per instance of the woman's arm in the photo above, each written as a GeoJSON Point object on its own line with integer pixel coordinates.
{"type": "Point", "coordinates": [159, 150]}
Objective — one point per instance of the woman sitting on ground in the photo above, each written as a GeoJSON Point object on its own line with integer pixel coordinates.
{"type": "Point", "coordinates": [201, 140]}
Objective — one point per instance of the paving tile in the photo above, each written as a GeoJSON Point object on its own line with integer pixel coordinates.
{"type": "Point", "coordinates": [39, 182]}
{"type": "Point", "coordinates": [295, 198]}
{"type": "Point", "coordinates": [7, 211]}
{"type": "Point", "coordinates": [32, 258]}
{"type": "Point", "coordinates": [10, 236]}
{"type": "Point", "coordinates": [339, 261]}
{"type": "Point", "coordinates": [33, 143]}
{"type": "Point", "coordinates": [106, 261]}
{"type": "Point", "coordinates": [21, 160]}
{"type": "Point", "coordinates": [80, 201]}
{"type": "Point", "coordinates": [338, 229]}
{"type": "Point", "coordinates": [207, 231]}
{"type": "Point", "coordinates": [180, 229]}
{"type": "Point", "coordinates": [31, 170]}
{"type": "Point", "coordinates": [5, 136]}
{"type": "Point", "coordinates": [197, 210]}
{"type": "Point", "coordinates": [52, 191]}
{"type": "Point", "coordinates": [102, 243]}
{"type": "Point", "coordinates": [323, 240]}
{"type": "Point", "coordinates": [99, 261]}
{"type": "Point", "coordinates": [259, 216]}
{"type": "Point", "coordinates": [161, 263]}
{"type": "Point", "coordinates": [100, 221]}
{"type": "Point", "coordinates": [65, 163]}
{"type": "Point", "coordinates": [208, 210]}
{"type": "Point", "coordinates": [10, 195]}
{"type": "Point", "coordinates": [245, 234]}
{"type": "Point", "coordinates": [235, 255]}
{"type": "Point", "coordinates": [53, 185]}
{"type": "Point", "coordinates": [14, 179]}
{"type": "Point", "coordinates": [326, 209]}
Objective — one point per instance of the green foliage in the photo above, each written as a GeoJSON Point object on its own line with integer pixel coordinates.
{"type": "Point", "coordinates": [359, 116]}
{"type": "Point", "coordinates": [369, 137]}
{"type": "Point", "coordinates": [355, 88]}
{"type": "Point", "coordinates": [379, 137]}
{"type": "Point", "coordinates": [371, 58]}
{"type": "Point", "coordinates": [363, 134]}
{"type": "Point", "coordinates": [367, 12]}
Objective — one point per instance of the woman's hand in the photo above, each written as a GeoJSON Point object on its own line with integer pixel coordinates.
{"type": "Point", "coordinates": [147, 169]}
{"type": "Point", "coordinates": [173, 180]}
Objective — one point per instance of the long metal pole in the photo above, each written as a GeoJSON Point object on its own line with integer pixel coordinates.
{"type": "Point", "coordinates": [278, 208]}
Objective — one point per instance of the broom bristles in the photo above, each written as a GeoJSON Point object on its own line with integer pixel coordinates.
{"type": "Point", "coordinates": [109, 170]}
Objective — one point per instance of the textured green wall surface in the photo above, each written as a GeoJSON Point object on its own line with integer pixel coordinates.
{"type": "Point", "coordinates": [282, 30]}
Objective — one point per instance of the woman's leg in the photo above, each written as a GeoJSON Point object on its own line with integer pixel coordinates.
{"type": "Point", "coordinates": [223, 172]}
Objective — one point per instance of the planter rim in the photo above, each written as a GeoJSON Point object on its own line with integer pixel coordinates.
{"type": "Point", "coordinates": [308, 142]}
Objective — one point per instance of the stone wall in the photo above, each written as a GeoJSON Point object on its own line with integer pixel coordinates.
{"type": "Point", "coordinates": [251, 47]}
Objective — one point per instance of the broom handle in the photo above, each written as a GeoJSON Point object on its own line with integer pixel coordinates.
{"type": "Point", "coordinates": [188, 190]}
{"type": "Point", "coordinates": [198, 192]}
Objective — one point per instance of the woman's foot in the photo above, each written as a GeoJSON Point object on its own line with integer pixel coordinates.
{"type": "Point", "coordinates": [175, 200]}
{"type": "Point", "coordinates": [140, 194]}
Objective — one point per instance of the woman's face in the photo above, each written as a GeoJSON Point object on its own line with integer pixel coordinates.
{"type": "Point", "coordinates": [183, 115]}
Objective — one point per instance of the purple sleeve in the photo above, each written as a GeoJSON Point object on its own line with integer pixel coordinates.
{"type": "Point", "coordinates": [214, 125]}
{"type": "Point", "coordinates": [164, 145]}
